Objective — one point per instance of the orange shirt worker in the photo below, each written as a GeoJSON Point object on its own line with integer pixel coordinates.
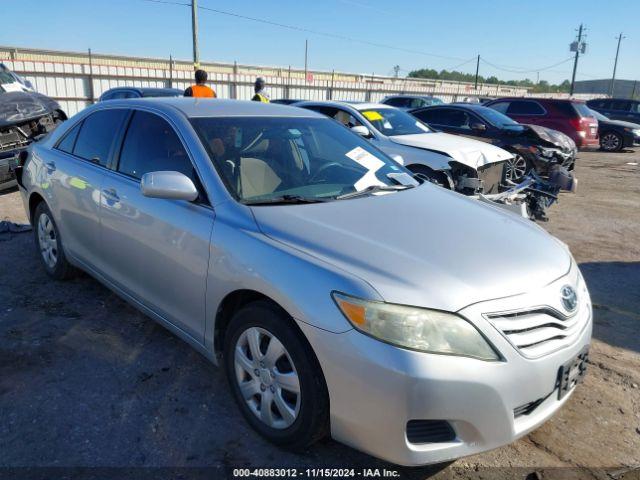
{"type": "Point", "coordinates": [200, 89]}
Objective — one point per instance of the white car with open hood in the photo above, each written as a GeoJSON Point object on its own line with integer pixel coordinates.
{"type": "Point", "coordinates": [461, 164]}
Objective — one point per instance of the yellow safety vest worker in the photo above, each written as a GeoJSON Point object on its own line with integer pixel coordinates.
{"type": "Point", "coordinates": [258, 97]}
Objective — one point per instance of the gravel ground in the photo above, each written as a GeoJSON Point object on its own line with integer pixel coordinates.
{"type": "Point", "coordinates": [87, 381]}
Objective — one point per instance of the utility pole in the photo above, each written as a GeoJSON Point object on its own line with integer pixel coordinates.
{"type": "Point", "coordinates": [615, 65]}
{"type": "Point", "coordinates": [396, 70]}
{"type": "Point", "coordinates": [306, 51]}
{"type": "Point", "coordinates": [475, 87]}
{"type": "Point", "coordinates": [194, 29]}
{"type": "Point", "coordinates": [578, 46]}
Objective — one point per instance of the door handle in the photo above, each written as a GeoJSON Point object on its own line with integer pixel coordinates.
{"type": "Point", "coordinates": [111, 193]}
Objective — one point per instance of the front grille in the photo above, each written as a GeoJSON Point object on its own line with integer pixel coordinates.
{"type": "Point", "coordinates": [539, 332]}
{"type": "Point", "coordinates": [430, 431]}
{"type": "Point", "coordinates": [492, 177]}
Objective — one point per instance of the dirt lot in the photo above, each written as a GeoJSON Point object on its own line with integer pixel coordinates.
{"type": "Point", "coordinates": [87, 381]}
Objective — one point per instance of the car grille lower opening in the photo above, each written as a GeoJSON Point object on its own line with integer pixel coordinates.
{"type": "Point", "coordinates": [430, 431]}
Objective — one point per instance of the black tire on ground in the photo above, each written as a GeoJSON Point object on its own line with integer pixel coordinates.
{"type": "Point", "coordinates": [611, 142]}
{"type": "Point", "coordinates": [312, 422]}
{"type": "Point", "coordinates": [61, 269]}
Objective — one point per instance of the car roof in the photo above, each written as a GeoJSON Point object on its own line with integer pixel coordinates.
{"type": "Point", "coordinates": [193, 107]}
{"type": "Point", "coordinates": [539, 99]}
{"type": "Point", "coordinates": [354, 105]}
{"type": "Point", "coordinates": [409, 95]}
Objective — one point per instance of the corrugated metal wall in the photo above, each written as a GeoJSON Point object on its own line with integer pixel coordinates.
{"type": "Point", "coordinates": [76, 79]}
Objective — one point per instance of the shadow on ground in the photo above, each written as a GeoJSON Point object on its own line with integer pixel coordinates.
{"type": "Point", "coordinates": [615, 293]}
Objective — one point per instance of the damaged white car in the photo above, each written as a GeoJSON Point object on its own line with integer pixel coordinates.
{"type": "Point", "coordinates": [464, 165]}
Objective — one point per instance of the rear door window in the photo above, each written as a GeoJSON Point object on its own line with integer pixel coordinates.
{"type": "Point", "coordinates": [152, 145]}
{"type": "Point", "coordinates": [525, 107]}
{"type": "Point", "coordinates": [620, 105]}
{"type": "Point", "coordinates": [69, 140]}
{"type": "Point", "coordinates": [97, 135]}
{"type": "Point", "coordinates": [501, 107]}
{"type": "Point", "coordinates": [432, 115]}
{"type": "Point", "coordinates": [398, 102]}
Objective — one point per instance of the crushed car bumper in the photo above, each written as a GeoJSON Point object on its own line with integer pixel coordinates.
{"type": "Point", "coordinates": [8, 161]}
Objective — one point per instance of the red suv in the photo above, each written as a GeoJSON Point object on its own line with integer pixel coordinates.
{"type": "Point", "coordinates": [571, 117]}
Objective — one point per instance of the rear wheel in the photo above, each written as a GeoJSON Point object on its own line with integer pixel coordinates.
{"type": "Point", "coordinates": [611, 142]}
{"type": "Point", "coordinates": [274, 376]}
{"type": "Point", "coordinates": [49, 244]}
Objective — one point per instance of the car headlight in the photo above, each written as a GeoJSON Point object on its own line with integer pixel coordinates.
{"type": "Point", "coordinates": [636, 132]}
{"type": "Point", "coordinates": [547, 153]}
{"type": "Point", "coordinates": [431, 331]}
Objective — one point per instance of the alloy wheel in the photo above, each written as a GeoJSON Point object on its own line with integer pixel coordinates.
{"type": "Point", "coordinates": [267, 378]}
{"type": "Point", "coordinates": [47, 240]}
{"type": "Point", "coordinates": [516, 168]}
{"type": "Point", "coordinates": [610, 142]}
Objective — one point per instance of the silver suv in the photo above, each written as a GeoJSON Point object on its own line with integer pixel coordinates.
{"type": "Point", "coordinates": [340, 296]}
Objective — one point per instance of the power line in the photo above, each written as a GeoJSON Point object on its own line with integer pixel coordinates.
{"type": "Point", "coordinates": [542, 69]}
{"type": "Point", "coordinates": [308, 30]}
{"type": "Point", "coordinates": [504, 68]}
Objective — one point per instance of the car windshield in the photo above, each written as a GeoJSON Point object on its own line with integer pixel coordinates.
{"type": "Point", "coordinates": [5, 76]}
{"type": "Point", "coordinates": [390, 121]}
{"type": "Point", "coordinates": [267, 160]}
{"type": "Point", "coordinates": [500, 120]}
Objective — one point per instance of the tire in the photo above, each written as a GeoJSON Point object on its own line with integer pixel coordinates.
{"type": "Point", "coordinates": [49, 244]}
{"type": "Point", "coordinates": [611, 142]}
{"type": "Point", "coordinates": [293, 420]}
{"type": "Point", "coordinates": [517, 167]}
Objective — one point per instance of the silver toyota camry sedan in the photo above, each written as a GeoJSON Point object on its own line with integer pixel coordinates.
{"type": "Point", "coordinates": [340, 295]}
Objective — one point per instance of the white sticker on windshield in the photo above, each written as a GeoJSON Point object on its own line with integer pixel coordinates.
{"type": "Point", "coordinates": [368, 161]}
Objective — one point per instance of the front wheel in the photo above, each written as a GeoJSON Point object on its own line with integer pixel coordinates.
{"type": "Point", "coordinates": [611, 142]}
{"type": "Point", "coordinates": [516, 168]}
{"type": "Point", "coordinates": [274, 376]}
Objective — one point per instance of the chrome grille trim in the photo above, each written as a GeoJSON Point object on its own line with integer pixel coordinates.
{"type": "Point", "coordinates": [540, 331]}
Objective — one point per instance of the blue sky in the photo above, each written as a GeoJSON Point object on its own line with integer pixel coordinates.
{"type": "Point", "coordinates": [513, 34]}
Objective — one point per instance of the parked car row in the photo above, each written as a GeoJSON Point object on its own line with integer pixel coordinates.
{"type": "Point", "coordinates": [328, 280]}
{"type": "Point", "coordinates": [25, 116]}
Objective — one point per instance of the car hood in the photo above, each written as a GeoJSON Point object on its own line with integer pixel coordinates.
{"type": "Point", "coordinates": [554, 137]}
{"type": "Point", "coordinates": [472, 153]}
{"type": "Point", "coordinates": [16, 107]}
{"type": "Point", "coordinates": [619, 123]}
{"type": "Point", "coordinates": [425, 246]}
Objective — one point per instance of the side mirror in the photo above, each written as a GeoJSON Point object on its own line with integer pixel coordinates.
{"type": "Point", "coordinates": [169, 185]}
{"type": "Point", "coordinates": [362, 131]}
{"type": "Point", "coordinates": [479, 127]}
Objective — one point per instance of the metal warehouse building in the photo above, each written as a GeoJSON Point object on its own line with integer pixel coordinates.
{"type": "Point", "coordinates": [621, 88]}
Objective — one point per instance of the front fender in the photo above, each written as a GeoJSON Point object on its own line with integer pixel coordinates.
{"type": "Point", "coordinates": [243, 258]}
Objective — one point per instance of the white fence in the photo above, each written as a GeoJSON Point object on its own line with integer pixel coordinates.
{"type": "Point", "coordinates": [78, 79]}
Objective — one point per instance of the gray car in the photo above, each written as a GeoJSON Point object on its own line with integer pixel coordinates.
{"type": "Point", "coordinates": [338, 294]}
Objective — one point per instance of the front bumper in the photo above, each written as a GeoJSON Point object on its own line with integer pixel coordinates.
{"type": "Point", "coordinates": [375, 389]}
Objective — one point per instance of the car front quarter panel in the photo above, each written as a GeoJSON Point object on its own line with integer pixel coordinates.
{"type": "Point", "coordinates": [243, 258]}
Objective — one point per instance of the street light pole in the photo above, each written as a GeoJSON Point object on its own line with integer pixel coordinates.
{"type": "Point", "coordinates": [615, 65]}
{"type": "Point", "coordinates": [194, 30]}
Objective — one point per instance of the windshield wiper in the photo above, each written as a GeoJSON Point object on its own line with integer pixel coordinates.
{"type": "Point", "coordinates": [373, 189]}
{"type": "Point", "coordinates": [285, 200]}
